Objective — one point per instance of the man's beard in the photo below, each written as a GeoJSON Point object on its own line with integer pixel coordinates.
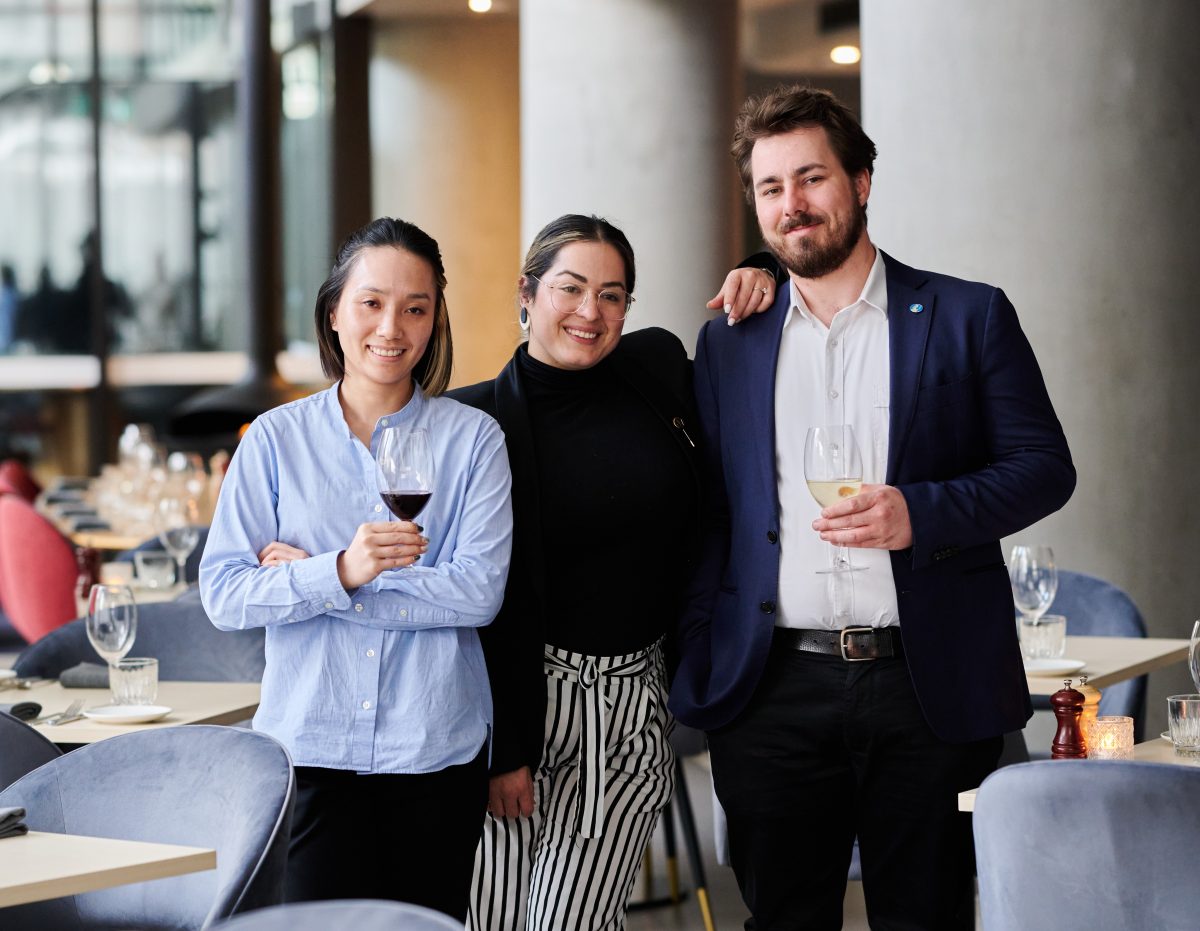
{"type": "Point", "coordinates": [807, 258]}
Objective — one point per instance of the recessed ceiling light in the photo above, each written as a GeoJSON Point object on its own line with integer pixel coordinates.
{"type": "Point", "coordinates": [479, 6]}
{"type": "Point", "coordinates": [845, 55]}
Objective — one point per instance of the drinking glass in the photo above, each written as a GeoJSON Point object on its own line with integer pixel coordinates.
{"type": "Point", "coordinates": [111, 621]}
{"type": "Point", "coordinates": [405, 470]}
{"type": "Point", "coordinates": [177, 521]}
{"type": "Point", "coordinates": [1034, 579]}
{"type": "Point", "coordinates": [833, 469]}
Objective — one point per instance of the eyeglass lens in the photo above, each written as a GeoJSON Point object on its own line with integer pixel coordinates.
{"type": "Point", "coordinates": [568, 298]}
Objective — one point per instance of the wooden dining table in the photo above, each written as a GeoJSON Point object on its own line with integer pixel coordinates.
{"type": "Point", "coordinates": [190, 703]}
{"type": "Point", "coordinates": [41, 865]}
{"type": "Point", "coordinates": [1158, 750]}
{"type": "Point", "coordinates": [1109, 660]}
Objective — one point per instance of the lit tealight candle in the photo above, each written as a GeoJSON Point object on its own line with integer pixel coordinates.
{"type": "Point", "coordinates": [1111, 738]}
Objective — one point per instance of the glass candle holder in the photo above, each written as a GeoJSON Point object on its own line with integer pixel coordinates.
{"type": "Point", "coordinates": [1111, 738]}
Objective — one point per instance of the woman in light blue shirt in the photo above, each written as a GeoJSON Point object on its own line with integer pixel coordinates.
{"type": "Point", "coordinates": [375, 680]}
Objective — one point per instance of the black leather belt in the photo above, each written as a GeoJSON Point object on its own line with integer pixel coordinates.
{"type": "Point", "coordinates": [852, 644]}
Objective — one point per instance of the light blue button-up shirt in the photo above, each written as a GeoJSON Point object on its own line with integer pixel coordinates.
{"type": "Point", "coordinates": [388, 678]}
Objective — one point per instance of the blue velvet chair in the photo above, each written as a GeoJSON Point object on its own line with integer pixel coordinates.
{"type": "Point", "coordinates": [1101, 845]}
{"type": "Point", "coordinates": [178, 633]}
{"type": "Point", "coordinates": [198, 785]}
{"type": "Point", "coordinates": [191, 567]}
{"type": "Point", "coordinates": [359, 914]}
{"type": "Point", "coordinates": [1096, 608]}
{"type": "Point", "coordinates": [22, 749]}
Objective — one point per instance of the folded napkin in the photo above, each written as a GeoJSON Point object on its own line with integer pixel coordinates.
{"type": "Point", "coordinates": [89, 523]}
{"type": "Point", "coordinates": [62, 497]}
{"type": "Point", "coordinates": [69, 483]}
{"type": "Point", "coordinates": [11, 824]}
{"type": "Point", "coordinates": [75, 510]}
{"type": "Point", "coordinates": [23, 710]}
{"type": "Point", "coordinates": [84, 676]}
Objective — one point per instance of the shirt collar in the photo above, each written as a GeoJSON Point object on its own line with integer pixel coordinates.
{"type": "Point", "coordinates": [873, 294]}
{"type": "Point", "coordinates": [407, 414]}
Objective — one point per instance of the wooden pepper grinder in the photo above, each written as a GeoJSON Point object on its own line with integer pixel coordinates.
{"type": "Point", "coordinates": [1091, 708]}
{"type": "Point", "coordinates": [1068, 740]}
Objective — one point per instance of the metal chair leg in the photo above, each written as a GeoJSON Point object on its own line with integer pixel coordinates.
{"type": "Point", "coordinates": [687, 824]}
{"type": "Point", "coordinates": [668, 823]}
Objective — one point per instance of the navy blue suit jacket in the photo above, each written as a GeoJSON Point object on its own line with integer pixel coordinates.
{"type": "Point", "coordinates": [975, 448]}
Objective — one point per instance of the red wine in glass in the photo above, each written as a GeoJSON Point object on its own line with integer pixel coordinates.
{"type": "Point", "coordinates": [406, 505]}
{"type": "Point", "coordinates": [404, 468]}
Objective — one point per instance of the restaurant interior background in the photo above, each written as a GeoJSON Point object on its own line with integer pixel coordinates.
{"type": "Point", "coordinates": [175, 175]}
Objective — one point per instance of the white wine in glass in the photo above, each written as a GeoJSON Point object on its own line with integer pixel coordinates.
{"type": "Point", "coordinates": [833, 469]}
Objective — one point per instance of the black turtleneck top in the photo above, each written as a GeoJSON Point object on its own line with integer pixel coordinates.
{"type": "Point", "coordinates": [616, 499]}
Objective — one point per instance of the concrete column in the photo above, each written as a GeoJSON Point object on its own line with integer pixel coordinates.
{"type": "Point", "coordinates": [1049, 148]}
{"type": "Point", "coordinates": [626, 112]}
{"type": "Point", "coordinates": [444, 155]}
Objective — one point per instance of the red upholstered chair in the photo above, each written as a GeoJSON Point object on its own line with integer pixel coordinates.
{"type": "Point", "coordinates": [14, 474]}
{"type": "Point", "coordinates": [37, 570]}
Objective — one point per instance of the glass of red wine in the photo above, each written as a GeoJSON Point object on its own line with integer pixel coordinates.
{"type": "Point", "coordinates": [404, 467]}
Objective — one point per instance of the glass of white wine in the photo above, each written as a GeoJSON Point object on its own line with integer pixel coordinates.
{"type": "Point", "coordinates": [833, 469]}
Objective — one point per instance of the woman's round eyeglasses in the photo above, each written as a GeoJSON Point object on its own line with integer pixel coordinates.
{"type": "Point", "coordinates": [568, 297]}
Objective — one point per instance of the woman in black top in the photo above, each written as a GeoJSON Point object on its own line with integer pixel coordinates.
{"type": "Point", "coordinates": [597, 427]}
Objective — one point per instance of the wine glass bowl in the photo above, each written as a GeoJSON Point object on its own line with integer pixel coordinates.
{"type": "Point", "coordinates": [404, 470]}
{"type": "Point", "coordinates": [177, 521]}
{"type": "Point", "coordinates": [111, 621]}
{"type": "Point", "coordinates": [833, 469]}
{"type": "Point", "coordinates": [1194, 656]}
{"type": "Point", "coordinates": [1034, 578]}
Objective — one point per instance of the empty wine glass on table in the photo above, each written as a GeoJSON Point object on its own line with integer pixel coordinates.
{"type": "Point", "coordinates": [1034, 579]}
{"type": "Point", "coordinates": [405, 470]}
{"type": "Point", "coordinates": [111, 621]}
{"type": "Point", "coordinates": [177, 521]}
{"type": "Point", "coordinates": [1194, 656]}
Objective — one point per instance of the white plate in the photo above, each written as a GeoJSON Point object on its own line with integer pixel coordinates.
{"type": "Point", "coordinates": [8, 674]}
{"type": "Point", "coordinates": [1052, 667]}
{"type": "Point", "coordinates": [127, 714]}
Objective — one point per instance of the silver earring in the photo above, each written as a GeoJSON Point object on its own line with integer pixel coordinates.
{"type": "Point", "coordinates": [523, 319]}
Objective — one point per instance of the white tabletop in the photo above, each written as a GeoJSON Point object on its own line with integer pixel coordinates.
{"type": "Point", "coordinates": [41, 866]}
{"type": "Point", "coordinates": [1158, 750]}
{"type": "Point", "coordinates": [1108, 660]}
{"type": "Point", "coordinates": [191, 703]}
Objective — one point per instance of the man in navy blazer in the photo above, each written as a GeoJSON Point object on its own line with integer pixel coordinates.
{"type": "Point", "coordinates": [826, 725]}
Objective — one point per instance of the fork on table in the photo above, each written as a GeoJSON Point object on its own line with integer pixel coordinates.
{"type": "Point", "coordinates": [62, 717]}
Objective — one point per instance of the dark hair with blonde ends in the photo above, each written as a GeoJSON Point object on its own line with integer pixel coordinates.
{"type": "Point", "coordinates": [432, 371]}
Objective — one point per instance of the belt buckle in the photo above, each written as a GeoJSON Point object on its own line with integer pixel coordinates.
{"type": "Point", "coordinates": [847, 631]}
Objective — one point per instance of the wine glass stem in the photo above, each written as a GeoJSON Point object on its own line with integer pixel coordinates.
{"type": "Point", "coordinates": [841, 586]}
{"type": "Point", "coordinates": [179, 563]}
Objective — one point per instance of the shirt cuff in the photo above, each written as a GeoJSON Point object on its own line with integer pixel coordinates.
{"type": "Point", "coordinates": [318, 579]}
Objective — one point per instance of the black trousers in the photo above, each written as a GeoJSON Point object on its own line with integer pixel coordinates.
{"type": "Point", "coordinates": [405, 837]}
{"type": "Point", "coordinates": [828, 750]}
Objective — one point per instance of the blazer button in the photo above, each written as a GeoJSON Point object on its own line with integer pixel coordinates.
{"type": "Point", "coordinates": [767, 607]}
{"type": "Point", "coordinates": [772, 536]}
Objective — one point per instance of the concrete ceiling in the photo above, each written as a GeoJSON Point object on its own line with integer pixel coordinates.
{"type": "Point", "coordinates": [778, 36]}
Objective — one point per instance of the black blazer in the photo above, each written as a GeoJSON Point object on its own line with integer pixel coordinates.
{"type": "Point", "coordinates": [654, 363]}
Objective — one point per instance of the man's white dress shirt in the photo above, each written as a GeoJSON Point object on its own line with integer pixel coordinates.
{"type": "Point", "coordinates": [827, 376]}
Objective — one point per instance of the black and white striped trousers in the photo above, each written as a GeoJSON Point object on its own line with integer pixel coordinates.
{"type": "Point", "coordinates": [606, 773]}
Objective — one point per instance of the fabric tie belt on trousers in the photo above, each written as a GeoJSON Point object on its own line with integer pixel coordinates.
{"type": "Point", "coordinates": [588, 673]}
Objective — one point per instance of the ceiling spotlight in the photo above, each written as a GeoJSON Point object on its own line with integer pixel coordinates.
{"type": "Point", "coordinates": [845, 55]}
{"type": "Point", "coordinates": [479, 6]}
